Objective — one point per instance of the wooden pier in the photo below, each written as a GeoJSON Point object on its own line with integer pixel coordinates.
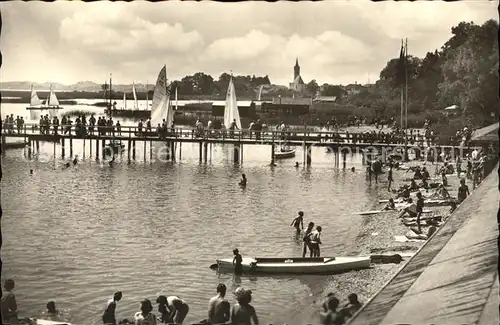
{"type": "Point", "coordinates": [339, 143]}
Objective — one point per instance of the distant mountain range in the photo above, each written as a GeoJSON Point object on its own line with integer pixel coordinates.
{"type": "Point", "coordinates": [79, 86]}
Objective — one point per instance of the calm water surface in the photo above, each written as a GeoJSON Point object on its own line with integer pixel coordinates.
{"type": "Point", "coordinates": [149, 228]}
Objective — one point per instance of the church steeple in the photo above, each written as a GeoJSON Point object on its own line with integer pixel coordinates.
{"type": "Point", "coordinates": [296, 69]}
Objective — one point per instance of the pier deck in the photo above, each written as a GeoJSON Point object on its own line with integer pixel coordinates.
{"type": "Point", "coordinates": [453, 278]}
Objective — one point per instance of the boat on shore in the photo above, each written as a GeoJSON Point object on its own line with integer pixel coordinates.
{"type": "Point", "coordinates": [296, 265]}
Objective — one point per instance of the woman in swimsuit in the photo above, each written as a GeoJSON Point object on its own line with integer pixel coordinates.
{"type": "Point", "coordinates": [237, 260]}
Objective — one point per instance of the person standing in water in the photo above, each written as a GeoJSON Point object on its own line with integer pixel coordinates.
{"type": "Point", "coordinates": [178, 309]}
{"type": "Point", "coordinates": [219, 310]}
{"type": "Point", "coordinates": [109, 313]}
{"type": "Point", "coordinates": [307, 238]}
{"type": "Point", "coordinates": [315, 242]}
{"type": "Point", "coordinates": [243, 181]}
{"type": "Point", "coordinates": [237, 260]}
{"type": "Point", "coordinates": [298, 222]}
{"type": "Point", "coordinates": [145, 316]}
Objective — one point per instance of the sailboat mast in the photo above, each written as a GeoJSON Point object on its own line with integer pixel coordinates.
{"type": "Point", "coordinates": [48, 98]}
{"type": "Point", "coordinates": [147, 99]}
{"type": "Point", "coordinates": [110, 98]}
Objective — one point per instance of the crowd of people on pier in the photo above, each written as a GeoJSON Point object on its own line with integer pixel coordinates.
{"type": "Point", "coordinates": [174, 309]}
{"type": "Point", "coordinates": [10, 124]}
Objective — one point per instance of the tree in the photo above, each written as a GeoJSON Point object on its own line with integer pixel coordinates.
{"type": "Point", "coordinates": [312, 87]}
{"type": "Point", "coordinates": [331, 90]}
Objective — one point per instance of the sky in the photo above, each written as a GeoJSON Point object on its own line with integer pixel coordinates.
{"type": "Point", "coordinates": [336, 42]}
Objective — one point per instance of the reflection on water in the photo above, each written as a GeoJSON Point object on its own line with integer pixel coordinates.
{"type": "Point", "coordinates": [76, 236]}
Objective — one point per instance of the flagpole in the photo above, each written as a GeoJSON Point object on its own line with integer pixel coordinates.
{"type": "Point", "coordinates": [406, 99]}
{"type": "Point", "coordinates": [401, 88]}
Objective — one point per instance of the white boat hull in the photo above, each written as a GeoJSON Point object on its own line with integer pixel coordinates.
{"type": "Point", "coordinates": [284, 154]}
{"type": "Point", "coordinates": [294, 265]}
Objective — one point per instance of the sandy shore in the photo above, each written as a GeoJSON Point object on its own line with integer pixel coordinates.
{"type": "Point", "coordinates": [375, 237]}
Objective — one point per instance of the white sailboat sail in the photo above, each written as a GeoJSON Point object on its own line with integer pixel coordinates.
{"type": "Point", "coordinates": [53, 101]}
{"type": "Point", "coordinates": [35, 115]}
{"type": "Point", "coordinates": [231, 109]}
{"type": "Point", "coordinates": [124, 100]}
{"type": "Point", "coordinates": [35, 101]}
{"type": "Point", "coordinates": [160, 106]}
{"type": "Point", "coordinates": [135, 96]}
{"type": "Point", "coordinates": [147, 99]}
{"type": "Point", "coordinates": [260, 92]}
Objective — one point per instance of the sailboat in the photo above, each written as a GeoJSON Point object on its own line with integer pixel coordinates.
{"type": "Point", "coordinates": [136, 105]}
{"type": "Point", "coordinates": [231, 112]}
{"type": "Point", "coordinates": [36, 108]}
{"type": "Point", "coordinates": [161, 108]}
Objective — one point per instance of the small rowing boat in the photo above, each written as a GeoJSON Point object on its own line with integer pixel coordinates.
{"type": "Point", "coordinates": [296, 265]}
{"type": "Point", "coordinates": [284, 153]}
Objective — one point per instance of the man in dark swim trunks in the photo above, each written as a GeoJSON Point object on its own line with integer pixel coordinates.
{"type": "Point", "coordinates": [307, 238]}
{"type": "Point", "coordinates": [298, 222]}
{"type": "Point", "coordinates": [238, 267]}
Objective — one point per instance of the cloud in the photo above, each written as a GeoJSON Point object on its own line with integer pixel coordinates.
{"type": "Point", "coordinates": [336, 41]}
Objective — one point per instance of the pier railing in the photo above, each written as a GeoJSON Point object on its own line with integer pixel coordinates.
{"type": "Point", "coordinates": [131, 132]}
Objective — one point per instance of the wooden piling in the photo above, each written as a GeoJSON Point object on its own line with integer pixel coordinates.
{"type": "Point", "coordinates": [309, 154]}
{"type": "Point", "coordinates": [128, 149]}
{"type": "Point", "coordinates": [200, 150]}
{"type": "Point", "coordinates": [205, 154]}
{"type": "Point", "coordinates": [236, 154]}
{"type": "Point", "coordinates": [37, 146]}
{"type": "Point", "coordinates": [145, 150]}
{"type": "Point", "coordinates": [54, 150]}
{"type": "Point", "coordinates": [133, 149]}
{"type": "Point", "coordinates": [90, 142]}
{"type": "Point", "coordinates": [272, 152]}
{"type": "Point", "coordinates": [241, 152]}
{"type": "Point", "coordinates": [151, 151]}
{"type": "Point", "coordinates": [83, 148]}
{"type": "Point", "coordinates": [70, 146]}
{"type": "Point", "coordinates": [63, 149]}
{"type": "Point", "coordinates": [103, 146]}
{"type": "Point", "coordinates": [174, 147]}
{"type": "Point", "coordinates": [344, 158]}
{"type": "Point", "coordinates": [97, 150]}
{"type": "Point", "coordinates": [180, 150]}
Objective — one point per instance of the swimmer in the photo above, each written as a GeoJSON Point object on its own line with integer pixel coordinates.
{"type": "Point", "coordinates": [51, 308]}
{"type": "Point", "coordinates": [243, 181]}
{"type": "Point", "coordinates": [298, 222]}
{"type": "Point", "coordinates": [31, 171]}
{"type": "Point", "coordinates": [75, 161]}
{"type": "Point", "coordinates": [353, 169]}
{"type": "Point", "coordinates": [297, 164]}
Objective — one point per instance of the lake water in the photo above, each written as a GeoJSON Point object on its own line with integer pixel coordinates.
{"type": "Point", "coordinates": [147, 228]}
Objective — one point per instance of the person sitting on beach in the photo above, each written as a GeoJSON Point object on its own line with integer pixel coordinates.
{"type": "Point", "coordinates": [325, 302]}
{"type": "Point", "coordinates": [404, 193]}
{"type": "Point", "coordinates": [298, 222]}
{"type": "Point", "coordinates": [243, 313]}
{"type": "Point", "coordinates": [463, 191]}
{"type": "Point", "coordinates": [390, 205]}
{"type": "Point", "coordinates": [145, 316]}
{"type": "Point", "coordinates": [109, 313]}
{"type": "Point", "coordinates": [8, 303]}
{"type": "Point", "coordinates": [411, 210]}
{"type": "Point", "coordinates": [418, 174]}
{"type": "Point", "coordinates": [442, 193]}
{"type": "Point", "coordinates": [444, 180]}
{"type": "Point", "coordinates": [219, 310]}
{"type": "Point", "coordinates": [243, 181]}
{"type": "Point", "coordinates": [425, 174]}
{"type": "Point", "coordinates": [331, 316]}
{"type": "Point", "coordinates": [413, 185]}
{"type": "Point", "coordinates": [425, 185]}
{"type": "Point", "coordinates": [177, 308]}
{"type": "Point", "coordinates": [237, 260]}
{"type": "Point", "coordinates": [315, 242]}
{"type": "Point", "coordinates": [352, 306]}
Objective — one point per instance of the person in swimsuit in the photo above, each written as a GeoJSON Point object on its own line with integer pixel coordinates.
{"type": "Point", "coordinates": [463, 191]}
{"type": "Point", "coordinates": [390, 205]}
{"type": "Point", "coordinates": [411, 210]}
{"type": "Point", "coordinates": [109, 313]}
{"type": "Point", "coordinates": [163, 309]}
{"type": "Point", "coordinates": [8, 303]}
{"type": "Point", "coordinates": [145, 316]}
{"type": "Point", "coordinates": [237, 260]}
{"type": "Point", "coordinates": [332, 316]}
{"type": "Point", "coordinates": [298, 222]}
{"type": "Point", "coordinates": [243, 181]}
{"type": "Point", "coordinates": [307, 238]}
{"type": "Point", "coordinates": [315, 242]}
{"type": "Point", "coordinates": [352, 306]}
{"type": "Point", "coordinates": [219, 310]}
{"type": "Point", "coordinates": [243, 313]}
{"type": "Point", "coordinates": [178, 309]}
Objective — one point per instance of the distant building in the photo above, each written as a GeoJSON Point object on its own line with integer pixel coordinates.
{"type": "Point", "coordinates": [297, 84]}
